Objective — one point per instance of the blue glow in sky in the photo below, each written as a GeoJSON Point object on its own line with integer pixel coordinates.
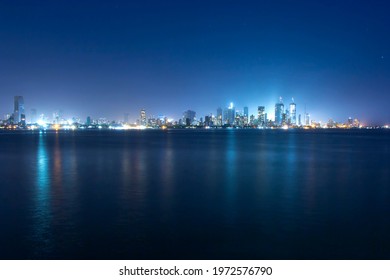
{"type": "Point", "coordinates": [107, 58]}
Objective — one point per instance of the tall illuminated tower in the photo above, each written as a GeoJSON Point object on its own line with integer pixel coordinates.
{"type": "Point", "coordinates": [261, 115]}
{"type": "Point", "coordinates": [19, 114]}
{"type": "Point", "coordinates": [246, 111]}
{"type": "Point", "coordinates": [143, 117]}
{"type": "Point", "coordinates": [231, 114]}
{"type": "Point", "coordinates": [279, 111]}
{"type": "Point", "coordinates": [246, 115]}
{"type": "Point", "coordinates": [219, 116]}
{"type": "Point", "coordinates": [293, 113]}
{"type": "Point", "coordinates": [307, 119]}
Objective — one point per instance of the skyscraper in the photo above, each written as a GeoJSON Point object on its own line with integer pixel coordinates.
{"type": "Point", "coordinates": [279, 111]}
{"type": "Point", "coordinates": [143, 117]}
{"type": "Point", "coordinates": [246, 111]}
{"type": "Point", "coordinates": [208, 120]}
{"type": "Point", "coordinates": [219, 116]}
{"type": "Point", "coordinates": [350, 122]}
{"type": "Point", "coordinates": [231, 114]}
{"type": "Point", "coordinates": [189, 117]}
{"type": "Point", "coordinates": [286, 117]}
{"type": "Point", "coordinates": [307, 119]}
{"type": "Point", "coordinates": [293, 113]}
{"type": "Point", "coordinates": [88, 121]}
{"type": "Point", "coordinates": [246, 115]}
{"type": "Point", "coordinates": [19, 115]}
{"type": "Point", "coordinates": [261, 115]}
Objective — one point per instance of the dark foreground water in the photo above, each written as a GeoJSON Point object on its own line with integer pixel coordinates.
{"type": "Point", "coordinates": [180, 194]}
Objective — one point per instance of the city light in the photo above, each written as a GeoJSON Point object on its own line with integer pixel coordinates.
{"type": "Point", "coordinates": [42, 123]}
{"type": "Point", "coordinates": [285, 116]}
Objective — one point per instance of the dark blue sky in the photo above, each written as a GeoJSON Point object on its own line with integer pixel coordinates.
{"type": "Point", "coordinates": [107, 58]}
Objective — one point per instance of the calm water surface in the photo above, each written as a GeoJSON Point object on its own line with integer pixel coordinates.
{"type": "Point", "coordinates": [185, 194]}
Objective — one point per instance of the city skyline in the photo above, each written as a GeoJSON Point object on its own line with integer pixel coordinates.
{"type": "Point", "coordinates": [114, 58]}
{"type": "Point", "coordinates": [284, 114]}
{"type": "Point", "coordinates": [241, 132]}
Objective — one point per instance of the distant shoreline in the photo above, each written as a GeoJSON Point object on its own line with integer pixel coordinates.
{"type": "Point", "coordinates": [192, 129]}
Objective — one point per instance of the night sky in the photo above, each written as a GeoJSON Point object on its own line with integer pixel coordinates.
{"type": "Point", "coordinates": [106, 58]}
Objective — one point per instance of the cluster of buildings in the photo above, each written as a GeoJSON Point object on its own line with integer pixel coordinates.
{"type": "Point", "coordinates": [230, 116]}
{"type": "Point", "coordinates": [19, 116]}
{"type": "Point", "coordinates": [285, 117]}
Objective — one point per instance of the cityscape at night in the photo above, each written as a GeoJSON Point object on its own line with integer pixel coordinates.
{"type": "Point", "coordinates": [285, 116]}
{"type": "Point", "coordinates": [217, 134]}
{"type": "Point", "coordinates": [105, 60]}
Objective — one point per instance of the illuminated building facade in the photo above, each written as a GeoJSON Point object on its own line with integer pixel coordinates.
{"type": "Point", "coordinates": [143, 117]}
{"type": "Point", "coordinates": [293, 113]}
{"type": "Point", "coordinates": [246, 115]}
{"type": "Point", "coordinates": [219, 116]}
{"type": "Point", "coordinates": [261, 115]}
{"type": "Point", "coordinates": [307, 119]}
{"type": "Point", "coordinates": [189, 117]}
{"type": "Point", "coordinates": [279, 111]}
{"type": "Point", "coordinates": [231, 114]}
{"type": "Point", "coordinates": [19, 114]}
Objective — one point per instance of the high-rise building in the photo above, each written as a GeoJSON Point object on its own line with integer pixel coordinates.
{"type": "Point", "coordinates": [219, 116]}
{"type": "Point", "coordinates": [285, 118]}
{"type": "Point", "coordinates": [231, 114]}
{"type": "Point", "coordinates": [246, 115]}
{"type": "Point", "coordinates": [225, 116]}
{"type": "Point", "coordinates": [279, 111]}
{"type": "Point", "coordinates": [239, 118]}
{"type": "Point", "coordinates": [189, 117]}
{"type": "Point", "coordinates": [246, 111]}
{"type": "Point", "coordinates": [143, 117]}
{"type": "Point", "coordinates": [350, 122]}
{"type": "Point", "coordinates": [261, 115]}
{"type": "Point", "coordinates": [19, 114]}
{"type": "Point", "coordinates": [208, 121]}
{"type": "Point", "coordinates": [356, 123]}
{"type": "Point", "coordinates": [293, 113]}
{"type": "Point", "coordinates": [307, 119]}
{"type": "Point", "coordinates": [299, 120]}
{"type": "Point", "coordinates": [252, 119]}
{"type": "Point", "coordinates": [88, 123]}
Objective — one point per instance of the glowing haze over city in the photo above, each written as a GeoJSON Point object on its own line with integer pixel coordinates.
{"type": "Point", "coordinates": [105, 60]}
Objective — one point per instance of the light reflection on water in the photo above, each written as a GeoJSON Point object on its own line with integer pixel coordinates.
{"type": "Point", "coordinates": [42, 215]}
{"type": "Point", "coordinates": [195, 194]}
{"type": "Point", "coordinates": [231, 169]}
